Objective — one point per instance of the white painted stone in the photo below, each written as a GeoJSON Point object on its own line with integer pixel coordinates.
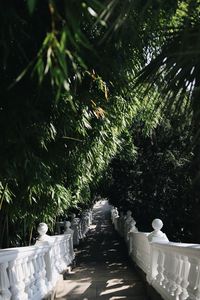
{"type": "Point", "coordinates": [131, 228]}
{"type": "Point", "coordinates": [42, 230]}
{"type": "Point", "coordinates": [173, 269]}
{"type": "Point", "coordinates": [127, 225]}
{"type": "Point", "coordinates": [76, 229]}
{"type": "Point", "coordinates": [157, 235]}
{"type": "Point", "coordinates": [30, 273]}
{"type": "Point", "coordinates": [67, 228]}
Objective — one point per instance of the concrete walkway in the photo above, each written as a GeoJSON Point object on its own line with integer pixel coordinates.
{"type": "Point", "coordinates": [103, 269]}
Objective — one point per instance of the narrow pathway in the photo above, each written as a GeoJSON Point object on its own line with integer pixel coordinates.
{"type": "Point", "coordinates": [103, 269]}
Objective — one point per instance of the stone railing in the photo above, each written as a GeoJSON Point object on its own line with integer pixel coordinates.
{"type": "Point", "coordinates": [79, 226]}
{"type": "Point", "coordinates": [32, 272]}
{"type": "Point", "coordinates": [173, 269]}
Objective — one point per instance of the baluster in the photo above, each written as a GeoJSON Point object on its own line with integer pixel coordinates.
{"type": "Point", "coordinates": [17, 280]}
{"type": "Point", "coordinates": [4, 282]}
{"type": "Point", "coordinates": [153, 271]}
{"type": "Point", "coordinates": [26, 274]}
{"type": "Point", "coordinates": [166, 266]}
{"type": "Point", "coordinates": [178, 276]}
{"type": "Point", "coordinates": [36, 273]}
{"type": "Point", "coordinates": [48, 260]}
{"type": "Point", "coordinates": [63, 253]}
{"type": "Point", "coordinates": [66, 254]}
{"type": "Point", "coordinates": [32, 277]}
{"type": "Point", "coordinates": [54, 262]}
{"type": "Point", "coordinates": [172, 274]}
{"type": "Point", "coordinates": [43, 274]}
{"type": "Point", "coordinates": [160, 267]}
{"type": "Point", "coordinates": [69, 240]}
{"type": "Point", "coordinates": [184, 276]}
{"type": "Point", "coordinates": [59, 260]}
{"type": "Point", "coordinates": [58, 256]}
{"type": "Point", "coordinates": [147, 262]}
{"type": "Point", "coordinates": [29, 277]}
{"type": "Point", "coordinates": [146, 254]}
{"type": "Point", "coordinates": [130, 243]}
{"type": "Point", "coordinates": [169, 272]}
{"type": "Point", "coordinates": [140, 252]}
{"type": "Point", "coordinates": [192, 277]}
{"type": "Point", "coordinates": [71, 248]}
{"type": "Point", "coordinates": [197, 285]}
{"type": "Point", "coordinates": [46, 281]}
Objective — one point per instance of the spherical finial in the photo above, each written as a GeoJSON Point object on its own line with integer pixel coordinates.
{"type": "Point", "coordinates": [67, 224]}
{"type": "Point", "coordinates": [42, 229]}
{"type": "Point", "coordinates": [157, 224]}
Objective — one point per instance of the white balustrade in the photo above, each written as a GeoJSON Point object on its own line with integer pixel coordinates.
{"type": "Point", "coordinates": [81, 226]}
{"type": "Point", "coordinates": [31, 273]}
{"type": "Point", "coordinates": [173, 269]}
{"type": "Point", "coordinates": [21, 275]}
{"type": "Point", "coordinates": [177, 275]}
{"type": "Point", "coordinates": [139, 249]}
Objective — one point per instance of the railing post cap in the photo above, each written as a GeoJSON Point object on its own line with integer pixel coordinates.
{"type": "Point", "coordinates": [42, 229]}
{"type": "Point", "coordinates": [67, 224]}
{"type": "Point", "coordinates": [157, 235]}
{"type": "Point", "coordinates": [157, 224]}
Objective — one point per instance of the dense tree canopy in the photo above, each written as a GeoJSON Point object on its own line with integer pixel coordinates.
{"type": "Point", "coordinates": [93, 90]}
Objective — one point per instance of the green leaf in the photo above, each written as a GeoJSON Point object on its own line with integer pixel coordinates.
{"type": "Point", "coordinates": [31, 5]}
